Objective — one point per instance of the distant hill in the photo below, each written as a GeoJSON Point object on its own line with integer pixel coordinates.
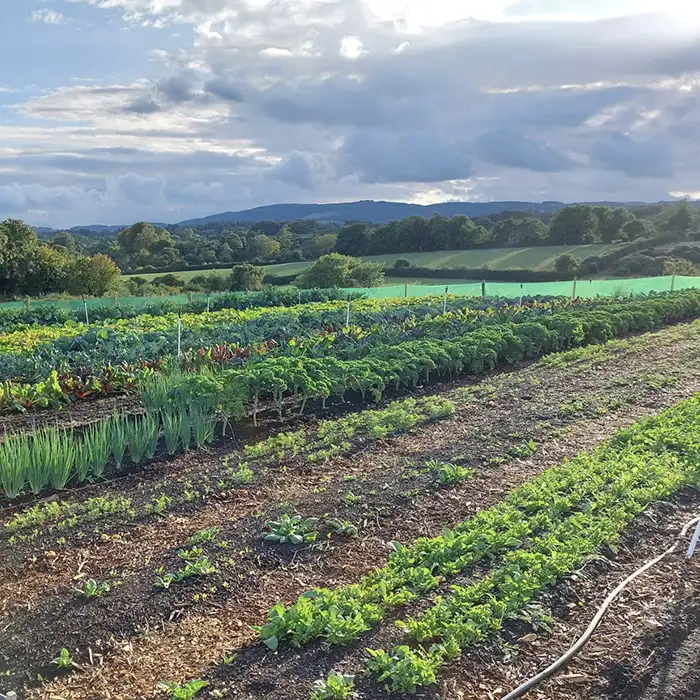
{"type": "Point", "coordinates": [366, 210]}
{"type": "Point", "coordinates": [379, 212]}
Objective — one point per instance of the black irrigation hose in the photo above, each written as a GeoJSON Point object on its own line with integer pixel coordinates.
{"type": "Point", "coordinates": [585, 637]}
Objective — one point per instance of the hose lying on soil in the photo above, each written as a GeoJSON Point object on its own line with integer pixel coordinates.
{"type": "Point", "coordinates": [583, 639]}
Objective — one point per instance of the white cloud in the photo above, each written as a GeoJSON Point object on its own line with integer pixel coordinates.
{"type": "Point", "coordinates": [351, 47]}
{"type": "Point", "coordinates": [48, 16]}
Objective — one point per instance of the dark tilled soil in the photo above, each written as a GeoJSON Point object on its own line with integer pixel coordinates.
{"type": "Point", "coordinates": [181, 634]}
{"type": "Point", "coordinates": [70, 416]}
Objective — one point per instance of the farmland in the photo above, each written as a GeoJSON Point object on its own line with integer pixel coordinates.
{"type": "Point", "coordinates": [274, 503]}
{"type": "Point", "coordinates": [539, 258]}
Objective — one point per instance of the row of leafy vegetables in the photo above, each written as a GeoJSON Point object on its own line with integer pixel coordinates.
{"type": "Point", "coordinates": [106, 360]}
{"type": "Point", "coordinates": [541, 532]}
{"type": "Point", "coordinates": [183, 409]}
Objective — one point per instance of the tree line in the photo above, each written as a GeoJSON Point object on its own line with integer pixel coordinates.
{"type": "Point", "coordinates": [144, 247]}
{"type": "Point", "coordinates": [30, 267]}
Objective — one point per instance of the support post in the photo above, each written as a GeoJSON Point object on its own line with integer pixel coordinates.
{"type": "Point", "coordinates": [444, 302]}
{"type": "Point", "coordinates": [208, 298]}
{"type": "Point", "coordinates": [673, 282]}
{"type": "Point", "coordinates": [694, 541]}
{"type": "Point", "coordinates": [179, 336]}
{"type": "Point", "coordinates": [483, 288]}
{"type": "Point", "coordinates": [573, 291]}
{"type": "Point", "coordinates": [405, 289]}
{"type": "Point", "coordinates": [347, 316]}
{"type": "Point", "coordinates": [87, 318]}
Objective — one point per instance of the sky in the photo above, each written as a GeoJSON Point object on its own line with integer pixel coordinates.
{"type": "Point", "coordinates": [113, 111]}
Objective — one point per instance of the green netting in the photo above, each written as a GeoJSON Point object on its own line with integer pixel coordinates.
{"type": "Point", "coordinates": [513, 290]}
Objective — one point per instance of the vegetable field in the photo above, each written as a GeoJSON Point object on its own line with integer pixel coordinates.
{"type": "Point", "coordinates": [316, 501]}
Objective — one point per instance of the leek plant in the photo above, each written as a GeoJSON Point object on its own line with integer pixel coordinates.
{"type": "Point", "coordinates": [14, 456]}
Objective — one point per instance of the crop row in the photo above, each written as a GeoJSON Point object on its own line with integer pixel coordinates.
{"type": "Point", "coordinates": [55, 315]}
{"type": "Point", "coordinates": [329, 438]}
{"type": "Point", "coordinates": [298, 379]}
{"type": "Point", "coordinates": [233, 393]}
{"type": "Point", "coordinates": [55, 457]}
{"type": "Point", "coordinates": [341, 615]}
{"type": "Point", "coordinates": [541, 531]}
{"type": "Point", "coordinates": [650, 461]}
{"type": "Point", "coordinates": [25, 339]}
{"type": "Point", "coordinates": [103, 362]}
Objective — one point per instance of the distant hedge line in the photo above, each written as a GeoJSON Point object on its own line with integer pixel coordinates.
{"type": "Point", "coordinates": [478, 273]}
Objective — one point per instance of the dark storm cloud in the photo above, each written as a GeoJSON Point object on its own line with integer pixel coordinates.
{"type": "Point", "coordinates": [516, 150]}
{"type": "Point", "coordinates": [412, 156]}
{"type": "Point", "coordinates": [644, 157]}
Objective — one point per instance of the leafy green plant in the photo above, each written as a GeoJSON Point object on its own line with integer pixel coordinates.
{"type": "Point", "coordinates": [159, 504]}
{"type": "Point", "coordinates": [448, 473]}
{"type": "Point", "coordinates": [523, 450]}
{"type": "Point", "coordinates": [571, 408]}
{"type": "Point", "coordinates": [190, 554]}
{"type": "Point", "coordinates": [164, 580]}
{"type": "Point", "coordinates": [207, 535]}
{"type": "Point", "coordinates": [404, 669]}
{"type": "Point", "coordinates": [92, 589]}
{"type": "Point", "coordinates": [343, 527]}
{"type": "Point", "coordinates": [351, 499]}
{"type": "Point", "coordinates": [335, 687]}
{"type": "Point", "coordinates": [63, 660]}
{"type": "Point", "coordinates": [184, 691]}
{"type": "Point", "coordinates": [291, 529]}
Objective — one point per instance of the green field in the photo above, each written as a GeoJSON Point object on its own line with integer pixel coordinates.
{"type": "Point", "coordinates": [534, 258]}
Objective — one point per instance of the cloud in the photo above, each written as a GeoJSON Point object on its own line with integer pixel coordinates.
{"type": "Point", "coordinates": [636, 157]}
{"type": "Point", "coordinates": [48, 16]}
{"type": "Point", "coordinates": [224, 90]}
{"type": "Point", "coordinates": [142, 105]}
{"type": "Point", "coordinates": [207, 191]}
{"type": "Point", "coordinates": [139, 189]}
{"type": "Point", "coordinates": [302, 169]}
{"type": "Point", "coordinates": [259, 100]}
{"type": "Point", "coordinates": [377, 156]}
{"type": "Point", "coordinates": [516, 150]}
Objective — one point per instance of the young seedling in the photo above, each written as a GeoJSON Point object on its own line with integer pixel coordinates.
{"type": "Point", "coordinates": [63, 660]}
{"type": "Point", "coordinates": [207, 535]}
{"type": "Point", "coordinates": [92, 589]}
{"type": "Point", "coordinates": [335, 687]}
{"type": "Point", "coordinates": [186, 691]}
{"type": "Point", "coordinates": [291, 529]}
{"type": "Point", "coordinates": [448, 473]}
{"type": "Point", "coordinates": [164, 581]}
{"type": "Point", "coordinates": [350, 499]}
{"type": "Point", "coordinates": [343, 527]}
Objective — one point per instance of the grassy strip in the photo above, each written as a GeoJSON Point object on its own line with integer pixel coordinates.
{"type": "Point", "coordinates": [653, 459]}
